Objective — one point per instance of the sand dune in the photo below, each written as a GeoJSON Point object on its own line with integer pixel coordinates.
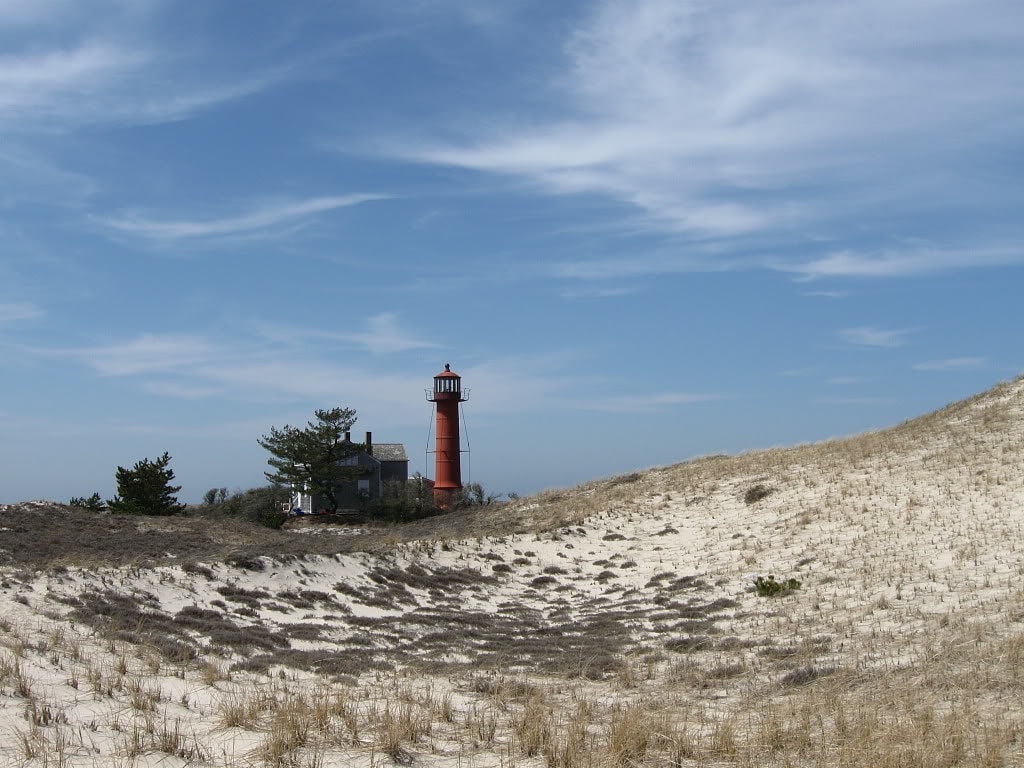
{"type": "Point", "coordinates": [616, 623]}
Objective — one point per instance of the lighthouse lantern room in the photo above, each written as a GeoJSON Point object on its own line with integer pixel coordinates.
{"type": "Point", "coordinates": [446, 396]}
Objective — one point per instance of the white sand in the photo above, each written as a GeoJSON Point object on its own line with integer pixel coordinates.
{"type": "Point", "coordinates": [895, 537]}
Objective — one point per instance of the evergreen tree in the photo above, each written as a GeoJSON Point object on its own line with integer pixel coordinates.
{"type": "Point", "coordinates": [146, 489]}
{"type": "Point", "coordinates": [309, 458]}
{"type": "Point", "coordinates": [93, 503]}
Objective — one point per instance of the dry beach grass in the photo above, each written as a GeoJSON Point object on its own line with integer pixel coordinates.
{"type": "Point", "coordinates": [614, 624]}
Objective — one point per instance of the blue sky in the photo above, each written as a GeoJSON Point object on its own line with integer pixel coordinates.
{"type": "Point", "coordinates": [641, 231]}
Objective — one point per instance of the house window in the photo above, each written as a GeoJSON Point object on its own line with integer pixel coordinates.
{"type": "Point", "coordinates": [363, 485]}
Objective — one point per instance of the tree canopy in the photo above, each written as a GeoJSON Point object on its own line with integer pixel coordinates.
{"type": "Point", "coordinates": [146, 489]}
{"type": "Point", "coordinates": [93, 503]}
{"type": "Point", "coordinates": [310, 458]}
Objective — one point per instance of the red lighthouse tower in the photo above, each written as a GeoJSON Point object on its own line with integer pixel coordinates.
{"type": "Point", "coordinates": [447, 395]}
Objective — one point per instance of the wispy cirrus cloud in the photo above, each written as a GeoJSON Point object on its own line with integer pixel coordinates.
{"type": "Point", "coordinates": [593, 292]}
{"type": "Point", "coordinates": [192, 367]}
{"type": "Point", "coordinates": [872, 336]}
{"type": "Point", "coordinates": [19, 310]}
{"type": "Point", "coordinates": [635, 265]}
{"type": "Point", "coordinates": [826, 294]}
{"type": "Point", "coordinates": [384, 335]}
{"type": "Point", "coordinates": [145, 354]}
{"type": "Point", "coordinates": [950, 364]}
{"type": "Point", "coordinates": [914, 260]}
{"type": "Point", "coordinates": [42, 83]}
{"type": "Point", "coordinates": [642, 403]}
{"type": "Point", "coordinates": [109, 63]}
{"type": "Point", "coordinates": [181, 391]}
{"type": "Point", "coordinates": [758, 120]}
{"type": "Point", "coordinates": [261, 218]}
{"type": "Point", "coordinates": [850, 400]}
{"type": "Point", "coordinates": [99, 81]}
{"type": "Point", "coordinates": [259, 368]}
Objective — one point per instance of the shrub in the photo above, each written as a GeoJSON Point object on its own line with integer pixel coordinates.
{"type": "Point", "coordinates": [94, 503]}
{"type": "Point", "coordinates": [805, 675]}
{"type": "Point", "coordinates": [474, 495]}
{"type": "Point", "coordinates": [264, 506]}
{"type": "Point", "coordinates": [770, 587]}
{"type": "Point", "coordinates": [757, 492]}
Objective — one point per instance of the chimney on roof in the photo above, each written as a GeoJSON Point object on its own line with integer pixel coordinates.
{"type": "Point", "coordinates": [348, 436]}
{"type": "Point", "coordinates": [369, 443]}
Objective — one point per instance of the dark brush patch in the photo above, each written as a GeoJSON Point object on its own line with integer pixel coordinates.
{"type": "Point", "coordinates": [733, 643]}
{"type": "Point", "coordinates": [249, 597]}
{"type": "Point", "coordinates": [246, 561]}
{"type": "Point", "coordinates": [223, 633]}
{"type": "Point", "coordinates": [688, 644]}
{"type": "Point", "coordinates": [119, 617]}
{"type": "Point", "coordinates": [295, 598]}
{"type": "Point", "coordinates": [338, 665]}
{"type": "Point", "coordinates": [305, 631]}
{"type": "Point", "coordinates": [806, 675]}
{"type": "Point", "coordinates": [198, 569]}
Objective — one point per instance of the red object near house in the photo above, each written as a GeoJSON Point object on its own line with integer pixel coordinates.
{"type": "Point", "coordinates": [446, 396]}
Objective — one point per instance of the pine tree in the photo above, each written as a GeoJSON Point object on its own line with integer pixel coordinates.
{"type": "Point", "coordinates": [310, 458]}
{"type": "Point", "coordinates": [146, 489]}
{"type": "Point", "coordinates": [93, 503]}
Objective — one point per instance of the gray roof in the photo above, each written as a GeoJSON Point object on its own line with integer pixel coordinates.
{"type": "Point", "coordinates": [389, 452]}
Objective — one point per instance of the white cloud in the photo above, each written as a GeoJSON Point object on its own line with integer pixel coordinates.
{"type": "Point", "coordinates": [20, 310]}
{"type": "Point", "coordinates": [902, 263]}
{"type": "Point", "coordinates": [58, 13]}
{"type": "Point", "coordinates": [191, 367]}
{"type": "Point", "coordinates": [592, 292]}
{"type": "Point", "coordinates": [30, 176]}
{"type": "Point", "coordinates": [383, 335]}
{"type": "Point", "coordinates": [258, 219]}
{"type": "Point", "coordinates": [642, 403]}
{"type": "Point", "coordinates": [637, 265]}
{"type": "Point", "coordinates": [871, 336]}
{"type": "Point", "coordinates": [182, 391]}
{"type": "Point", "coordinates": [761, 118]}
{"type": "Point", "coordinates": [105, 62]}
{"type": "Point", "coordinates": [146, 354]}
{"type": "Point", "coordinates": [45, 83]}
{"type": "Point", "coordinates": [826, 294]}
{"type": "Point", "coordinates": [851, 400]}
{"type": "Point", "coordinates": [950, 364]}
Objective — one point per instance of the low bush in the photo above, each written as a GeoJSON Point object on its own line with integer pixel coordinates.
{"type": "Point", "coordinates": [769, 587]}
{"type": "Point", "coordinates": [93, 503]}
{"type": "Point", "coordinates": [757, 492]}
{"type": "Point", "coordinates": [264, 506]}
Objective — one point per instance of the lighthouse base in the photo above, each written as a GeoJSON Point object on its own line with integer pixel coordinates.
{"type": "Point", "coordinates": [444, 498]}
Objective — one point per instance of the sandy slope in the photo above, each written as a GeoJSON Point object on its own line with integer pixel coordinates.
{"type": "Point", "coordinates": [627, 598]}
